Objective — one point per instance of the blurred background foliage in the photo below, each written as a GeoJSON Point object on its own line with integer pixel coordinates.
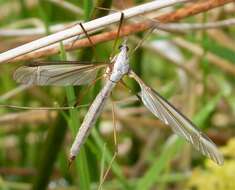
{"type": "Point", "coordinates": [189, 69]}
{"type": "Point", "coordinates": [213, 177]}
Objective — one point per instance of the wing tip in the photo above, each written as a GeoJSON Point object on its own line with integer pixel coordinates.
{"type": "Point", "coordinates": [219, 159]}
{"type": "Point", "coordinates": [15, 74]}
{"type": "Point", "coordinates": [19, 75]}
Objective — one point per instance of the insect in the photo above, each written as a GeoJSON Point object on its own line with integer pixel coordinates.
{"type": "Point", "coordinates": [77, 74]}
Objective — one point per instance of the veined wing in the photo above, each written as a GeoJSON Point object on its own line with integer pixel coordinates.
{"type": "Point", "coordinates": [57, 75]}
{"type": "Point", "coordinates": [162, 109]}
{"type": "Point", "coordinates": [60, 62]}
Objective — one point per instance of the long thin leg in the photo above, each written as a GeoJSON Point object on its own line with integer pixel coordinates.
{"type": "Point", "coordinates": [89, 39]}
{"type": "Point", "coordinates": [142, 41]}
{"type": "Point", "coordinates": [107, 171]}
{"type": "Point", "coordinates": [130, 90]}
{"type": "Point", "coordinates": [118, 34]}
{"type": "Point", "coordinates": [114, 128]}
{"type": "Point", "coordinates": [77, 38]}
{"type": "Point", "coordinates": [115, 144]}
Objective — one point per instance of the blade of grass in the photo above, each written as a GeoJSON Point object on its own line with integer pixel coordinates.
{"type": "Point", "coordinates": [102, 164]}
{"type": "Point", "coordinates": [152, 175]}
{"type": "Point", "coordinates": [51, 148]}
{"type": "Point", "coordinates": [52, 145]}
{"type": "Point", "coordinates": [169, 178]}
{"type": "Point", "coordinates": [81, 161]}
{"type": "Point", "coordinates": [204, 114]}
{"type": "Point", "coordinates": [88, 9]}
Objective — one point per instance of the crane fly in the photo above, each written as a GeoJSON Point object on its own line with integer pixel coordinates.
{"type": "Point", "coordinates": [71, 73]}
{"type": "Point", "coordinates": [78, 74]}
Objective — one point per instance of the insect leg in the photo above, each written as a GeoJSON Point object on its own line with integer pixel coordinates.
{"type": "Point", "coordinates": [115, 144]}
{"type": "Point", "coordinates": [118, 34]}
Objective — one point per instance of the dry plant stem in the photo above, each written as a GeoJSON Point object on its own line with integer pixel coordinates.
{"type": "Point", "coordinates": [91, 25]}
{"type": "Point", "coordinates": [8, 32]}
{"type": "Point", "coordinates": [33, 22]}
{"type": "Point", "coordinates": [69, 6]}
{"type": "Point", "coordinates": [214, 59]}
{"type": "Point", "coordinates": [17, 171]}
{"type": "Point", "coordinates": [32, 116]}
{"type": "Point", "coordinates": [177, 63]}
{"type": "Point", "coordinates": [7, 44]}
{"type": "Point", "coordinates": [130, 119]}
{"type": "Point", "coordinates": [184, 27]}
{"type": "Point", "coordinates": [20, 171]}
{"type": "Point", "coordinates": [130, 29]}
{"type": "Point", "coordinates": [148, 146]}
{"type": "Point", "coordinates": [222, 38]}
{"type": "Point", "coordinates": [41, 108]}
{"type": "Point", "coordinates": [68, 44]}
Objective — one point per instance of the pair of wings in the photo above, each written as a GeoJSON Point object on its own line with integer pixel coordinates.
{"type": "Point", "coordinates": [77, 74]}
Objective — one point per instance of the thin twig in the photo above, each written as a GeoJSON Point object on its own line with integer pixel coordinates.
{"type": "Point", "coordinates": [128, 29]}
{"type": "Point", "coordinates": [184, 27]}
{"type": "Point", "coordinates": [220, 37]}
{"type": "Point", "coordinates": [42, 108]}
{"type": "Point", "coordinates": [214, 59]}
{"type": "Point", "coordinates": [8, 32]}
{"type": "Point", "coordinates": [91, 25]}
{"type": "Point", "coordinates": [29, 116]}
{"type": "Point", "coordinates": [23, 23]}
{"type": "Point", "coordinates": [17, 171]}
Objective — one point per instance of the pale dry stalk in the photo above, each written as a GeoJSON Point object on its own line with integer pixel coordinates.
{"type": "Point", "coordinates": [184, 12]}
{"type": "Point", "coordinates": [91, 25]}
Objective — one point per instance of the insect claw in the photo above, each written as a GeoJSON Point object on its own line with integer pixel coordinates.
{"type": "Point", "coordinates": [75, 104]}
{"type": "Point", "coordinates": [71, 159]}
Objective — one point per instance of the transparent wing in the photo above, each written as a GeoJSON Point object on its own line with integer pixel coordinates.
{"type": "Point", "coordinates": [57, 75]}
{"type": "Point", "coordinates": [162, 109]}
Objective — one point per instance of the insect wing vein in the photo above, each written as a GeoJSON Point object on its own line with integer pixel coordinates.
{"type": "Point", "coordinates": [58, 75]}
{"type": "Point", "coordinates": [162, 109]}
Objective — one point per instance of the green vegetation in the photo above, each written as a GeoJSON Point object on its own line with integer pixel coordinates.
{"type": "Point", "coordinates": [35, 143]}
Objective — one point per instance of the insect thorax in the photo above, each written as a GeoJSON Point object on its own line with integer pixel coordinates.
{"type": "Point", "coordinates": [120, 67]}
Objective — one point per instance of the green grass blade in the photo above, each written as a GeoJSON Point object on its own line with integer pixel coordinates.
{"type": "Point", "coordinates": [153, 174]}
{"type": "Point", "coordinates": [81, 161]}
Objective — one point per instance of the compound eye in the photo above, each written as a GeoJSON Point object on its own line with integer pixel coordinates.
{"type": "Point", "coordinates": [121, 46]}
